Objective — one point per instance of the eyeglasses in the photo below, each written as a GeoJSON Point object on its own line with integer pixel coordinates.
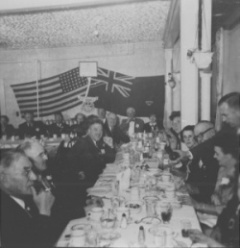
{"type": "Point", "coordinates": [200, 135]}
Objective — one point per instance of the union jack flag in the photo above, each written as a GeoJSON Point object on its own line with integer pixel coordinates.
{"type": "Point", "coordinates": [113, 82]}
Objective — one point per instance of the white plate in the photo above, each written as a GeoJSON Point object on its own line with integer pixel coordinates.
{"type": "Point", "coordinates": [110, 236]}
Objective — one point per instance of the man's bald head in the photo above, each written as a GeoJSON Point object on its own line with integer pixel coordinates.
{"type": "Point", "coordinates": [203, 131]}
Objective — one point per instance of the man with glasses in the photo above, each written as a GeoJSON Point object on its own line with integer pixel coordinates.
{"type": "Point", "coordinates": [203, 131]}
{"type": "Point", "coordinates": [203, 168]}
{"type": "Point", "coordinates": [68, 204]}
{"type": "Point", "coordinates": [23, 224]}
{"type": "Point", "coordinates": [229, 108]}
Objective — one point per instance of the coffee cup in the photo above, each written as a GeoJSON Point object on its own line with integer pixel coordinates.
{"type": "Point", "coordinates": [78, 238]}
{"type": "Point", "coordinates": [95, 213]}
{"type": "Point", "coordinates": [166, 177]}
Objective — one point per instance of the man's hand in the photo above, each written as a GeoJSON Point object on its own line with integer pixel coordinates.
{"type": "Point", "coordinates": [44, 201]}
{"type": "Point", "coordinates": [198, 237]}
{"type": "Point", "coordinates": [182, 156]}
{"type": "Point", "coordinates": [108, 141]}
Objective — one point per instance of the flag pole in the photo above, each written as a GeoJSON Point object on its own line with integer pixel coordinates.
{"type": "Point", "coordinates": [88, 87]}
{"type": "Point", "coordinates": [37, 85]}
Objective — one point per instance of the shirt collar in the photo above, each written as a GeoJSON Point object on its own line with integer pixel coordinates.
{"type": "Point", "coordinates": [20, 202]}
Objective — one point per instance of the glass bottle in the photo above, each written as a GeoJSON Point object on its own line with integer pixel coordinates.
{"type": "Point", "coordinates": [141, 236]}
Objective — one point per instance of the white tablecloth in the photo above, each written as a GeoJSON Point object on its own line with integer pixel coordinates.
{"type": "Point", "coordinates": [129, 236]}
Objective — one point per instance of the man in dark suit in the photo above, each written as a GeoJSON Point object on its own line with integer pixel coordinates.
{"type": "Point", "coordinates": [111, 129]}
{"type": "Point", "coordinates": [31, 128]}
{"type": "Point", "coordinates": [229, 108]}
{"type": "Point", "coordinates": [68, 204]}
{"type": "Point", "coordinates": [151, 126]}
{"type": "Point", "coordinates": [91, 153]}
{"type": "Point", "coordinates": [25, 214]}
{"type": "Point", "coordinates": [6, 128]}
{"type": "Point", "coordinates": [59, 127]}
{"type": "Point", "coordinates": [204, 167]}
{"type": "Point", "coordinates": [132, 124]}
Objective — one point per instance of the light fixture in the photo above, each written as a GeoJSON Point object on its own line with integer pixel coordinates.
{"type": "Point", "coordinates": [171, 81]}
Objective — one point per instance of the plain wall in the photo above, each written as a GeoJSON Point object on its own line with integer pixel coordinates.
{"type": "Point", "coordinates": [19, 66]}
{"type": "Point", "coordinates": [231, 60]}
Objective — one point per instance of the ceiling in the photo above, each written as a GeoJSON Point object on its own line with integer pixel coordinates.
{"type": "Point", "coordinates": [136, 21]}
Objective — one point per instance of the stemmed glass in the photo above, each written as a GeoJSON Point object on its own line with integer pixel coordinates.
{"type": "Point", "coordinates": [166, 213]}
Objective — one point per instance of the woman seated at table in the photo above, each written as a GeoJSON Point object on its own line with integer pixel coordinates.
{"type": "Point", "coordinates": [226, 231]}
{"type": "Point", "coordinates": [6, 129]}
{"type": "Point", "coordinates": [187, 136]}
{"type": "Point", "coordinates": [226, 153]}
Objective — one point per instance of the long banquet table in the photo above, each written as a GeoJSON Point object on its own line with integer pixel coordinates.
{"type": "Point", "coordinates": [117, 236]}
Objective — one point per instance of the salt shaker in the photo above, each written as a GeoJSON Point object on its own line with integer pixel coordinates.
{"type": "Point", "coordinates": [141, 236]}
{"type": "Point", "coordinates": [123, 224]}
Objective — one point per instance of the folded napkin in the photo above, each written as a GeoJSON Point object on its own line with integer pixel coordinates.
{"type": "Point", "coordinates": [123, 179]}
{"type": "Point", "coordinates": [207, 219]}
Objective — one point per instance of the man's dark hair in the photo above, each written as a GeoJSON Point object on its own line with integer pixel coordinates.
{"type": "Point", "coordinates": [93, 119]}
{"type": "Point", "coordinates": [58, 113]}
{"type": "Point", "coordinates": [232, 99]}
{"type": "Point", "coordinates": [174, 114]}
{"type": "Point", "coordinates": [187, 128]}
{"type": "Point", "coordinates": [28, 112]}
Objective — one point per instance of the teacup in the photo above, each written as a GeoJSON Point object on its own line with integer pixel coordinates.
{"type": "Point", "coordinates": [78, 238]}
{"type": "Point", "coordinates": [162, 236]}
{"type": "Point", "coordinates": [96, 213]}
{"type": "Point", "coordinates": [166, 177]}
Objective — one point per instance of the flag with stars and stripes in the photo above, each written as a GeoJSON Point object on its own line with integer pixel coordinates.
{"type": "Point", "coordinates": [116, 92]}
{"type": "Point", "coordinates": [50, 95]}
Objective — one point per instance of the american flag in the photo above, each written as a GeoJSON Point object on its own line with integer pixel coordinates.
{"type": "Point", "coordinates": [50, 95]}
{"type": "Point", "coordinates": [113, 82]}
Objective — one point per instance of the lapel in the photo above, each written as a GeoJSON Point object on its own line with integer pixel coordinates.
{"type": "Point", "coordinates": [92, 146]}
{"type": "Point", "coordinates": [12, 208]}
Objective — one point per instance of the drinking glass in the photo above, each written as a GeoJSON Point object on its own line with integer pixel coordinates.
{"type": "Point", "coordinates": [166, 213]}
{"type": "Point", "coordinates": [186, 225]}
{"type": "Point", "coordinates": [151, 208]}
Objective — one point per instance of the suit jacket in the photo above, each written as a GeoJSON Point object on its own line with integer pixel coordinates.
{"type": "Point", "coordinates": [87, 157]}
{"type": "Point", "coordinates": [116, 134]}
{"type": "Point", "coordinates": [37, 129]}
{"type": "Point", "coordinates": [9, 131]}
{"type": "Point", "coordinates": [55, 129]}
{"type": "Point", "coordinates": [19, 229]}
{"type": "Point", "coordinates": [204, 170]}
{"type": "Point", "coordinates": [80, 129]}
{"type": "Point", "coordinates": [139, 125]}
{"type": "Point", "coordinates": [149, 128]}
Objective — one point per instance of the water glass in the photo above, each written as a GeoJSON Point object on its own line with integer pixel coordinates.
{"type": "Point", "coordinates": [151, 208]}
{"type": "Point", "coordinates": [185, 225]}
